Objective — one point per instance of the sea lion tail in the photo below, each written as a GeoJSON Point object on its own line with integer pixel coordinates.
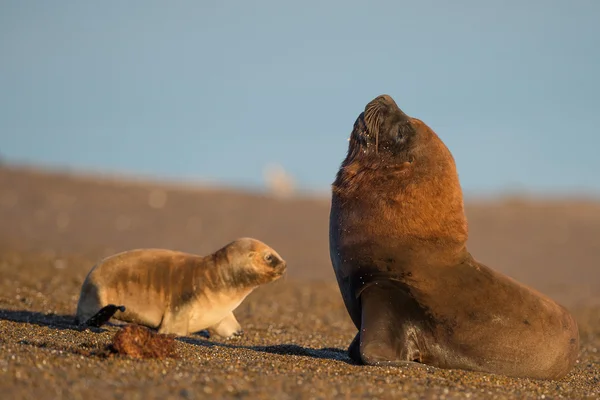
{"type": "Point", "coordinates": [102, 316]}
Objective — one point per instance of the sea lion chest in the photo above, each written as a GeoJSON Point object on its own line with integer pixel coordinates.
{"type": "Point", "coordinates": [366, 229]}
{"type": "Point", "coordinates": [213, 307]}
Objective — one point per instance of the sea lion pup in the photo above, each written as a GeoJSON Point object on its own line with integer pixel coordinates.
{"type": "Point", "coordinates": [175, 292]}
{"type": "Point", "coordinates": [398, 237]}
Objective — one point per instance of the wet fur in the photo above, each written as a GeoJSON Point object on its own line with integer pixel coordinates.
{"type": "Point", "coordinates": [398, 237]}
{"type": "Point", "coordinates": [176, 292]}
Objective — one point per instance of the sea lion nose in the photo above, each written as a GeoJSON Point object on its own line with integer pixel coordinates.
{"type": "Point", "coordinates": [388, 102]}
{"type": "Point", "coordinates": [385, 99]}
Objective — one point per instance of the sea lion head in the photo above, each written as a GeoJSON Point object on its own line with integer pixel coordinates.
{"type": "Point", "coordinates": [253, 263]}
{"type": "Point", "coordinates": [382, 127]}
{"type": "Point", "coordinates": [397, 166]}
{"type": "Point", "coordinates": [386, 136]}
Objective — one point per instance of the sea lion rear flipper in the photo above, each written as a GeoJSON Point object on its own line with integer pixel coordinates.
{"type": "Point", "coordinates": [384, 337]}
{"type": "Point", "coordinates": [102, 316]}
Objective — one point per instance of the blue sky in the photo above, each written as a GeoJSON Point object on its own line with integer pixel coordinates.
{"type": "Point", "coordinates": [216, 90]}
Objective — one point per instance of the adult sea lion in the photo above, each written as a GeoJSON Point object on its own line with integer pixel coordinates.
{"type": "Point", "coordinates": [175, 292]}
{"type": "Point", "coordinates": [397, 244]}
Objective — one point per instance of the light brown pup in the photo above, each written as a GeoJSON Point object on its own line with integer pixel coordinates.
{"type": "Point", "coordinates": [175, 292]}
{"type": "Point", "coordinates": [397, 238]}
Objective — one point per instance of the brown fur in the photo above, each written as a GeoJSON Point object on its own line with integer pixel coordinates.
{"type": "Point", "coordinates": [398, 237]}
{"type": "Point", "coordinates": [175, 291]}
{"type": "Point", "coordinates": [425, 192]}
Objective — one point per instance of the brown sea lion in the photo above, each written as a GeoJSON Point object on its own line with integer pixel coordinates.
{"type": "Point", "coordinates": [175, 292]}
{"type": "Point", "coordinates": [398, 236]}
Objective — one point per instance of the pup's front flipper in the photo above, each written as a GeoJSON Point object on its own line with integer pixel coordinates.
{"type": "Point", "coordinates": [228, 327]}
{"type": "Point", "coordinates": [102, 316]}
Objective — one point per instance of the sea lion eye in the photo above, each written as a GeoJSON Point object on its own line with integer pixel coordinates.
{"type": "Point", "coordinates": [269, 258]}
{"type": "Point", "coordinates": [400, 135]}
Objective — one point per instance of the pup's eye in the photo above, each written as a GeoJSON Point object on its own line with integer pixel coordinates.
{"type": "Point", "coordinates": [269, 258]}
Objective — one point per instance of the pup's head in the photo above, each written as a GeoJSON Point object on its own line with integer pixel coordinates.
{"type": "Point", "coordinates": [253, 263]}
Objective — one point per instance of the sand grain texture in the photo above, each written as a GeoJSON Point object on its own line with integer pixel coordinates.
{"type": "Point", "coordinates": [54, 227]}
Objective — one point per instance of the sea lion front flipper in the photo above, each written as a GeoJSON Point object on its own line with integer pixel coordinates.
{"type": "Point", "coordinates": [102, 316]}
{"type": "Point", "coordinates": [384, 338]}
{"type": "Point", "coordinates": [228, 327]}
{"type": "Point", "coordinates": [354, 349]}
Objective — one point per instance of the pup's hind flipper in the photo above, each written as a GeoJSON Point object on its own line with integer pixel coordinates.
{"type": "Point", "coordinates": [102, 316]}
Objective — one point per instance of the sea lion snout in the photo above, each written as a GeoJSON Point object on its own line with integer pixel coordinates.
{"type": "Point", "coordinates": [383, 99]}
{"type": "Point", "coordinates": [382, 128]}
{"type": "Point", "coordinates": [282, 267]}
{"type": "Point", "coordinates": [384, 106]}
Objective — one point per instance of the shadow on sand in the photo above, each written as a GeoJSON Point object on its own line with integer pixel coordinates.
{"type": "Point", "coordinates": [62, 322]}
{"type": "Point", "coordinates": [328, 353]}
{"type": "Point", "coordinates": [51, 320]}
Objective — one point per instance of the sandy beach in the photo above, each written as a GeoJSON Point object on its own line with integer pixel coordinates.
{"type": "Point", "coordinates": [55, 226]}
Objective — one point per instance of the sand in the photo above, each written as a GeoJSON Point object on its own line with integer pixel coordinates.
{"type": "Point", "coordinates": [55, 226]}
